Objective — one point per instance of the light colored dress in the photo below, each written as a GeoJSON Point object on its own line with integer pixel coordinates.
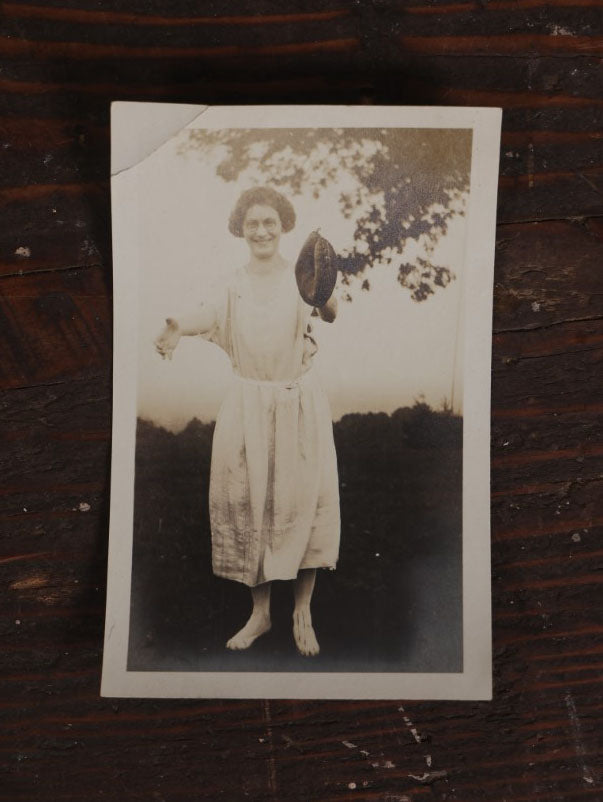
{"type": "Point", "coordinates": [274, 493]}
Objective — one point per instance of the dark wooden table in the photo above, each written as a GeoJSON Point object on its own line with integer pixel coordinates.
{"type": "Point", "coordinates": [62, 62]}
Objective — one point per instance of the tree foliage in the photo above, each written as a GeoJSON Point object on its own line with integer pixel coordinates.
{"type": "Point", "coordinates": [398, 184]}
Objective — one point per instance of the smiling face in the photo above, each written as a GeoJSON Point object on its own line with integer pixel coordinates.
{"type": "Point", "coordinates": [262, 230]}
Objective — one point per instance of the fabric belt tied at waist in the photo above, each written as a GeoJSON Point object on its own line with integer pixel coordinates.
{"type": "Point", "coordinates": [281, 384]}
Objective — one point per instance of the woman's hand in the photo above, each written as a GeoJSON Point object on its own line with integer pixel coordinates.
{"type": "Point", "coordinates": [328, 312]}
{"type": "Point", "coordinates": [168, 338]}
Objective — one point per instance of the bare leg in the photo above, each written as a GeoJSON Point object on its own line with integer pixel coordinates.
{"type": "Point", "coordinates": [259, 621]}
{"type": "Point", "coordinates": [303, 631]}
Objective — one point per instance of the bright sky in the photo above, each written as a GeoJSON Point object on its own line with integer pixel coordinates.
{"type": "Point", "coordinates": [383, 351]}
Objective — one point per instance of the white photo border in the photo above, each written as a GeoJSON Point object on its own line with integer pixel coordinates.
{"type": "Point", "coordinates": [475, 681]}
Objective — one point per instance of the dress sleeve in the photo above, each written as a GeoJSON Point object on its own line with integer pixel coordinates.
{"type": "Point", "coordinates": [218, 298]}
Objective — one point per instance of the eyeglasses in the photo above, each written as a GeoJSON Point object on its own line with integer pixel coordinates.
{"type": "Point", "coordinates": [253, 225]}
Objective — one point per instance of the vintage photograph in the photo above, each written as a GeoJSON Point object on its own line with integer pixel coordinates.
{"type": "Point", "coordinates": [298, 315]}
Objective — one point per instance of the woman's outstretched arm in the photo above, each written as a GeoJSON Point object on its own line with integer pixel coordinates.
{"type": "Point", "coordinates": [201, 321]}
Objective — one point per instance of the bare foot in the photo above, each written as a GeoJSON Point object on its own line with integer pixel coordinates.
{"type": "Point", "coordinates": [257, 625]}
{"type": "Point", "coordinates": [303, 632]}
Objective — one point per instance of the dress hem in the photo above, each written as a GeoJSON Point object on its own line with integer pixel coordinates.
{"type": "Point", "coordinates": [302, 567]}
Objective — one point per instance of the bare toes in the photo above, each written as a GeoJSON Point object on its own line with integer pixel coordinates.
{"type": "Point", "coordinates": [305, 637]}
{"type": "Point", "coordinates": [237, 643]}
{"type": "Point", "coordinates": [250, 632]}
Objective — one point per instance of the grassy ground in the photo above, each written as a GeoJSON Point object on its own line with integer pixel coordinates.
{"type": "Point", "coordinates": [394, 602]}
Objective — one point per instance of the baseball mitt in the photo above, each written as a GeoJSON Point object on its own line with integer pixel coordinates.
{"type": "Point", "coordinates": [316, 270]}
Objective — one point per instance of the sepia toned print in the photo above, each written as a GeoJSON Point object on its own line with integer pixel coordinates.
{"type": "Point", "coordinates": [298, 498]}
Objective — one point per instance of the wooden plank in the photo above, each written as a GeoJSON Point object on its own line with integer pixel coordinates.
{"type": "Point", "coordinates": [19, 48]}
{"type": "Point", "coordinates": [561, 30]}
{"type": "Point", "coordinates": [548, 77]}
{"type": "Point", "coordinates": [113, 17]}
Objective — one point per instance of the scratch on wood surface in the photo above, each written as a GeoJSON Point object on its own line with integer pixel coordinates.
{"type": "Point", "coordinates": [410, 726]}
{"type": "Point", "coordinates": [29, 583]}
{"type": "Point", "coordinates": [550, 324]}
{"type": "Point", "coordinates": [589, 182]}
{"type": "Point", "coordinates": [531, 165]}
{"type": "Point", "coordinates": [427, 777]}
{"type": "Point", "coordinates": [18, 557]}
{"type": "Point", "coordinates": [271, 763]}
{"type": "Point", "coordinates": [578, 738]}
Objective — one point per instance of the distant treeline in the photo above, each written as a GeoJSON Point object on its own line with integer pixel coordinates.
{"type": "Point", "coordinates": [419, 426]}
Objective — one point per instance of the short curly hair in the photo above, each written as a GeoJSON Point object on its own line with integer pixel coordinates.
{"type": "Point", "coordinates": [264, 196]}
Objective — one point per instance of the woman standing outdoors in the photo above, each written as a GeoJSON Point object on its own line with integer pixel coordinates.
{"type": "Point", "coordinates": [274, 497]}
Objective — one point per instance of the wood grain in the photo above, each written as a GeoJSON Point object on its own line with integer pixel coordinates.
{"type": "Point", "coordinates": [61, 65]}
